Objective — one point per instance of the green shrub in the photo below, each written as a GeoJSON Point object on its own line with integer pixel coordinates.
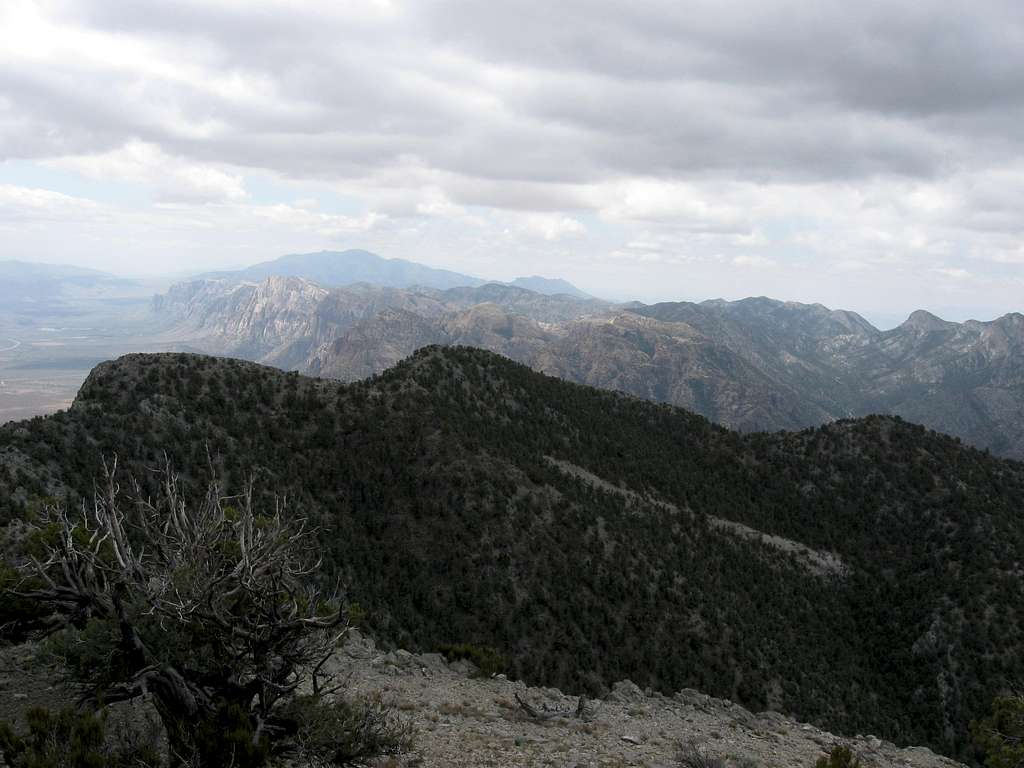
{"type": "Point", "coordinates": [213, 619]}
{"type": "Point", "coordinates": [692, 755]}
{"type": "Point", "coordinates": [1001, 735]}
{"type": "Point", "coordinates": [840, 757]}
{"type": "Point", "coordinates": [16, 613]}
{"type": "Point", "coordinates": [72, 739]}
{"type": "Point", "coordinates": [487, 660]}
{"type": "Point", "coordinates": [228, 739]}
{"type": "Point", "coordinates": [342, 733]}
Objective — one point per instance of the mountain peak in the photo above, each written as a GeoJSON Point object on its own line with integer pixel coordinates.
{"type": "Point", "coordinates": [340, 268]}
{"type": "Point", "coordinates": [924, 321]}
{"type": "Point", "coordinates": [549, 286]}
{"type": "Point", "coordinates": [1011, 319]}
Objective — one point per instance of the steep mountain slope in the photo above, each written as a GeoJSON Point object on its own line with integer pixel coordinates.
{"type": "Point", "coordinates": [805, 348]}
{"type": "Point", "coordinates": [966, 379]}
{"type": "Point", "coordinates": [253, 321]}
{"type": "Point", "coordinates": [359, 330]}
{"type": "Point", "coordinates": [673, 362]}
{"type": "Point", "coordinates": [394, 334]}
{"type": "Point", "coordinates": [589, 343]}
{"type": "Point", "coordinates": [755, 364]}
{"type": "Point", "coordinates": [864, 575]}
{"type": "Point", "coordinates": [536, 305]}
{"type": "Point", "coordinates": [962, 378]}
{"type": "Point", "coordinates": [280, 321]}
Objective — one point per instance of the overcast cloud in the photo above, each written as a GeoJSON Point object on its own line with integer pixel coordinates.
{"type": "Point", "coordinates": [866, 155]}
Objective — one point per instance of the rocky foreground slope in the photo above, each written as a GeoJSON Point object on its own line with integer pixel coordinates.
{"type": "Point", "coordinates": [463, 721]}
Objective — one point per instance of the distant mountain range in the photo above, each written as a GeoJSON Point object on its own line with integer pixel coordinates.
{"type": "Point", "coordinates": [339, 268]}
{"type": "Point", "coordinates": [864, 575]}
{"type": "Point", "coordinates": [755, 364]}
{"type": "Point", "coordinates": [29, 287]}
{"type": "Point", "coordinates": [549, 286]}
{"type": "Point", "coordinates": [294, 323]}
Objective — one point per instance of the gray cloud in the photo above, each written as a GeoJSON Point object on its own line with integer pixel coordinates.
{"type": "Point", "coordinates": [864, 133]}
{"type": "Point", "coordinates": [557, 92]}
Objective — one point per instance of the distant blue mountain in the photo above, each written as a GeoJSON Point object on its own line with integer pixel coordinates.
{"type": "Point", "coordinates": [33, 285]}
{"type": "Point", "coordinates": [337, 268]}
{"type": "Point", "coordinates": [549, 286]}
{"type": "Point", "coordinates": [26, 271]}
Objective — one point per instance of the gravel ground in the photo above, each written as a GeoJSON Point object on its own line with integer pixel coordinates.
{"type": "Point", "coordinates": [466, 722]}
{"type": "Point", "coordinates": [462, 721]}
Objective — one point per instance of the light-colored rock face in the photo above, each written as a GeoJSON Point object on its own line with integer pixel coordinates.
{"type": "Point", "coordinates": [755, 364]}
{"type": "Point", "coordinates": [462, 721]}
{"type": "Point", "coordinates": [354, 332]}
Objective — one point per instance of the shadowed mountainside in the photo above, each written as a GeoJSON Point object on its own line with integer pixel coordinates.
{"type": "Point", "coordinates": [863, 575]}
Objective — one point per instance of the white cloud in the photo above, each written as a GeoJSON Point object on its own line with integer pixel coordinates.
{"type": "Point", "coordinates": [551, 226]}
{"type": "Point", "coordinates": [303, 219]}
{"type": "Point", "coordinates": [682, 205]}
{"type": "Point", "coordinates": [852, 265]}
{"type": "Point", "coordinates": [174, 179]}
{"type": "Point", "coordinates": [849, 138]}
{"type": "Point", "coordinates": [758, 262]}
{"type": "Point", "coordinates": [954, 272]}
{"type": "Point", "coordinates": [26, 205]}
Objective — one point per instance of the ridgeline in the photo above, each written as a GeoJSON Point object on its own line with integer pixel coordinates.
{"type": "Point", "coordinates": [864, 575]}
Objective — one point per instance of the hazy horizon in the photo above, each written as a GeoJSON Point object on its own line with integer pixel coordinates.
{"type": "Point", "coordinates": [865, 157]}
{"type": "Point", "coordinates": [881, 320]}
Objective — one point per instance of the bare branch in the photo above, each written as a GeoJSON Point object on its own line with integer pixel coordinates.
{"type": "Point", "coordinates": [209, 601]}
{"type": "Point", "coordinates": [548, 714]}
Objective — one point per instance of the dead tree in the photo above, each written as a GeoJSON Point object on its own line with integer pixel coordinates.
{"type": "Point", "coordinates": [540, 715]}
{"type": "Point", "coordinates": [208, 607]}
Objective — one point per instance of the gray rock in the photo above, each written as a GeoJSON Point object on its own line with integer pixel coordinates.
{"type": "Point", "coordinates": [463, 667]}
{"type": "Point", "coordinates": [359, 646]}
{"type": "Point", "coordinates": [434, 662]}
{"type": "Point", "coordinates": [625, 691]}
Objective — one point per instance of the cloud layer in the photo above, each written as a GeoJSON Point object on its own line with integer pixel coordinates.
{"type": "Point", "coordinates": [865, 154]}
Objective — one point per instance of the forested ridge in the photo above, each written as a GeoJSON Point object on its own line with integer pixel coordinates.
{"type": "Point", "coordinates": [445, 505]}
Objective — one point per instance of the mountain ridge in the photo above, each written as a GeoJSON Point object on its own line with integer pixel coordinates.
{"type": "Point", "coordinates": [339, 268]}
{"type": "Point", "coordinates": [755, 364]}
{"type": "Point", "coordinates": [441, 490]}
{"type": "Point", "coordinates": [335, 269]}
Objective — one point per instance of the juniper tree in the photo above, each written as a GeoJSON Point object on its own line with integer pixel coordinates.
{"type": "Point", "coordinates": [208, 607]}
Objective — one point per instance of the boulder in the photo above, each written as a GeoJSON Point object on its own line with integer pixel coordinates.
{"type": "Point", "coordinates": [625, 691]}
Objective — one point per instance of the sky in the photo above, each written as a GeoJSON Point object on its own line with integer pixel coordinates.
{"type": "Point", "coordinates": [865, 155]}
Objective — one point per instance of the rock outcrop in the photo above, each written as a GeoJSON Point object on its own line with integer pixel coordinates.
{"type": "Point", "coordinates": [462, 721]}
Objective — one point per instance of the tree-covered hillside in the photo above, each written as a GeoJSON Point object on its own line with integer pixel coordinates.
{"type": "Point", "coordinates": [589, 536]}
